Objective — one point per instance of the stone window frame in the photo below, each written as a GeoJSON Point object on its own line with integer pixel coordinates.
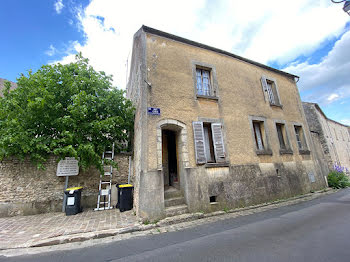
{"type": "Point", "coordinates": [288, 149]}
{"type": "Point", "coordinates": [213, 79]}
{"type": "Point", "coordinates": [267, 148]}
{"type": "Point", "coordinates": [219, 121]}
{"type": "Point", "coordinates": [264, 79]}
{"type": "Point", "coordinates": [305, 148]}
{"type": "Point", "coordinates": [183, 141]}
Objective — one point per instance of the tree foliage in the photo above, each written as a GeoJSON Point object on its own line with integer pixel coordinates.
{"type": "Point", "coordinates": [65, 110]}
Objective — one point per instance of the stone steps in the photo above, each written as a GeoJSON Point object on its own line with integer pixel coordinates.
{"type": "Point", "coordinates": [172, 192]}
{"type": "Point", "coordinates": [176, 210]}
{"type": "Point", "coordinates": [175, 201]}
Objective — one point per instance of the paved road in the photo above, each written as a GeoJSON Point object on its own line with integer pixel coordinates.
{"type": "Point", "coordinates": [318, 230]}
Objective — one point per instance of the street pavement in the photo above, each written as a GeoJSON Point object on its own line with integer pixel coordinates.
{"type": "Point", "coordinates": [293, 230]}
{"type": "Point", "coordinates": [27, 231]}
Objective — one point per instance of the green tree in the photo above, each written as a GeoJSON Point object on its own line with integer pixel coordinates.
{"type": "Point", "coordinates": [65, 110]}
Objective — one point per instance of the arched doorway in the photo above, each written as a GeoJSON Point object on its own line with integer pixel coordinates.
{"type": "Point", "coordinates": [173, 156]}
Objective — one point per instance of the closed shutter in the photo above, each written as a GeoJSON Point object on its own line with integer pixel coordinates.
{"type": "Point", "coordinates": [199, 142]}
{"type": "Point", "coordinates": [218, 142]}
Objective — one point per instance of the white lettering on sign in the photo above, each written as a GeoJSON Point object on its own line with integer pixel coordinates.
{"type": "Point", "coordinates": [68, 167]}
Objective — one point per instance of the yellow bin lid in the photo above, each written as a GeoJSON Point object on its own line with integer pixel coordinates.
{"type": "Point", "coordinates": [125, 185]}
{"type": "Point", "coordinates": [74, 188]}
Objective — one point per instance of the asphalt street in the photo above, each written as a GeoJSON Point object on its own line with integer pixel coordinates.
{"type": "Point", "coordinates": [318, 230]}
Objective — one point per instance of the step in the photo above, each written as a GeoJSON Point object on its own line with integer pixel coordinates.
{"type": "Point", "coordinates": [175, 201]}
{"type": "Point", "coordinates": [172, 192]}
{"type": "Point", "coordinates": [176, 210]}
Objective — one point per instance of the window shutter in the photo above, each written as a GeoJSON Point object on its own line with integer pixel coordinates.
{"type": "Point", "coordinates": [218, 142]}
{"type": "Point", "coordinates": [264, 84]}
{"type": "Point", "coordinates": [199, 145]}
{"type": "Point", "coordinates": [259, 141]}
{"type": "Point", "coordinates": [267, 89]}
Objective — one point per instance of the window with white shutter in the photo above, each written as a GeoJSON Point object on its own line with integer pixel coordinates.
{"type": "Point", "coordinates": [300, 137]}
{"type": "Point", "coordinates": [280, 130]}
{"type": "Point", "coordinates": [199, 142]}
{"type": "Point", "coordinates": [209, 144]}
{"type": "Point", "coordinates": [270, 91]}
{"type": "Point", "coordinates": [260, 135]}
{"type": "Point", "coordinates": [259, 142]}
{"type": "Point", "coordinates": [218, 142]}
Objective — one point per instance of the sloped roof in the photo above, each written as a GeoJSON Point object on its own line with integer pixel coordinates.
{"type": "Point", "coordinates": [324, 115]}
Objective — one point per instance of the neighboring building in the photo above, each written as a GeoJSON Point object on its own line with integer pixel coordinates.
{"type": "Point", "coordinates": [213, 130]}
{"type": "Point", "coordinates": [2, 85]}
{"type": "Point", "coordinates": [333, 137]}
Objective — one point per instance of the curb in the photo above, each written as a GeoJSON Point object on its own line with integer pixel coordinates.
{"type": "Point", "coordinates": [80, 237]}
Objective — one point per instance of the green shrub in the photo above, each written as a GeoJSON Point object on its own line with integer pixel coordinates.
{"type": "Point", "coordinates": [66, 110]}
{"type": "Point", "coordinates": [338, 180]}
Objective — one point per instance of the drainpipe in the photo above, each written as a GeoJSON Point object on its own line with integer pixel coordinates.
{"type": "Point", "coordinates": [129, 170]}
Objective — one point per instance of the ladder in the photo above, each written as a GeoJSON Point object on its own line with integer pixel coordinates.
{"type": "Point", "coordinates": [105, 187]}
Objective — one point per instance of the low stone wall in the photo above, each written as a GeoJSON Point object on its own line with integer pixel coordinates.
{"type": "Point", "coordinates": [245, 185]}
{"type": "Point", "coordinates": [25, 190]}
{"type": "Point", "coordinates": [233, 186]}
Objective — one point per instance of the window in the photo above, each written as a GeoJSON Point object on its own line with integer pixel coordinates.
{"type": "Point", "coordinates": [280, 128]}
{"type": "Point", "coordinates": [203, 82]}
{"type": "Point", "coordinates": [270, 91]}
{"type": "Point", "coordinates": [259, 142]}
{"type": "Point", "coordinates": [301, 142]}
{"type": "Point", "coordinates": [208, 140]}
{"type": "Point", "coordinates": [209, 144]}
{"type": "Point", "coordinates": [260, 136]}
{"type": "Point", "coordinates": [283, 139]}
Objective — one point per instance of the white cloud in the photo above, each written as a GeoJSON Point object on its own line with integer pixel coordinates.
{"type": "Point", "coordinates": [51, 51]}
{"type": "Point", "coordinates": [59, 6]}
{"type": "Point", "coordinates": [345, 121]}
{"type": "Point", "coordinates": [269, 30]}
{"type": "Point", "coordinates": [329, 79]}
{"type": "Point", "coordinates": [333, 97]}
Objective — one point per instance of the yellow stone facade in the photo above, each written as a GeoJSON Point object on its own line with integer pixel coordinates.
{"type": "Point", "coordinates": [163, 75]}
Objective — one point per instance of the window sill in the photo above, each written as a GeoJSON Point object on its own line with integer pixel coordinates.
{"type": "Point", "coordinates": [210, 165]}
{"type": "Point", "coordinates": [304, 152]}
{"type": "Point", "coordinates": [208, 97]}
{"type": "Point", "coordinates": [264, 152]}
{"type": "Point", "coordinates": [276, 105]}
{"type": "Point", "coordinates": [286, 152]}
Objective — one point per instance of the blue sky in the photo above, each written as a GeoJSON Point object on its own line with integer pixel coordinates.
{"type": "Point", "coordinates": [311, 39]}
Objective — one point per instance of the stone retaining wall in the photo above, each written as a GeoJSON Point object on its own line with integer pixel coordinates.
{"type": "Point", "coordinates": [25, 190]}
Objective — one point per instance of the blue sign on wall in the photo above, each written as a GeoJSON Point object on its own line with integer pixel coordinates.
{"type": "Point", "coordinates": [153, 111]}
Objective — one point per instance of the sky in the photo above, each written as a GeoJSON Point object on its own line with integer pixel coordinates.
{"type": "Point", "coordinates": [308, 38]}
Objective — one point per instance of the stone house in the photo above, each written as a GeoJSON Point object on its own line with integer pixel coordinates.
{"type": "Point", "coordinates": [331, 136]}
{"type": "Point", "coordinates": [213, 130]}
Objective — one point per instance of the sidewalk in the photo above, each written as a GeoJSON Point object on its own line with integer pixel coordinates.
{"type": "Point", "coordinates": [36, 230]}
{"type": "Point", "coordinates": [57, 228]}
